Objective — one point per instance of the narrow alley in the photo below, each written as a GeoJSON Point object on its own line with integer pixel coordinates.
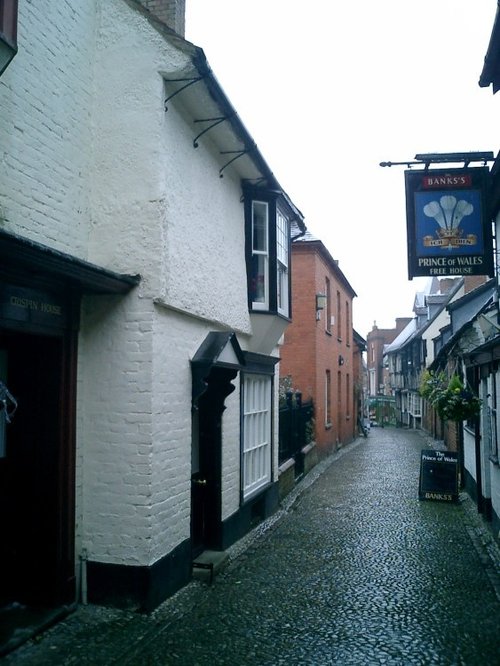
{"type": "Point", "coordinates": [353, 570]}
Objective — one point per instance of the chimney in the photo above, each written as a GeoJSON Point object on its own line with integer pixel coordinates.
{"type": "Point", "coordinates": [171, 12]}
{"type": "Point", "coordinates": [472, 282]}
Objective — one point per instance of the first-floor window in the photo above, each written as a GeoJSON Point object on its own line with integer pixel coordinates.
{"type": "Point", "coordinates": [256, 432]}
{"type": "Point", "coordinates": [260, 255]}
{"type": "Point", "coordinates": [282, 243]}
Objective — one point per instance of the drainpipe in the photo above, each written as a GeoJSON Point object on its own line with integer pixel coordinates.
{"type": "Point", "coordinates": [83, 576]}
{"type": "Point", "coordinates": [477, 450]}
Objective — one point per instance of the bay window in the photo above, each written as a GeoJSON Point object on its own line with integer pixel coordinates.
{"type": "Point", "coordinates": [268, 252]}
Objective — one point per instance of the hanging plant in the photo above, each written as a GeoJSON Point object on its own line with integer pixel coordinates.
{"type": "Point", "coordinates": [452, 400]}
{"type": "Point", "coordinates": [431, 383]}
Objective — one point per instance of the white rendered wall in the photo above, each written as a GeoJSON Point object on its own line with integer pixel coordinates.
{"type": "Point", "coordinates": [45, 97]}
{"type": "Point", "coordinates": [159, 209]}
{"type": "Point", "coordinates": [495, 490]}
{"type": "Point", "coordinates": [205, 230]}
{"type": "Point", "coordinates": [91, 165]}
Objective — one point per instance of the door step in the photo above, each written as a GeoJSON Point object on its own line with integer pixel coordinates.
{"type": "Point", "coordinates": [210, 562]}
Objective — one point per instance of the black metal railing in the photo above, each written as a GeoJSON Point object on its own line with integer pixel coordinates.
{"type": "Point", "coordinates": [295, 429]}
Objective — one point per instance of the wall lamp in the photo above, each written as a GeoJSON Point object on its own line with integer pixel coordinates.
{"type": "Point", "coordinates": [320, 305]}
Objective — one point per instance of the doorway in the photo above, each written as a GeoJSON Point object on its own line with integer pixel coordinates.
{"type": "Point", "coordinates": [36, 505]}
{"type": "Point", "coordinates": [206, 479]}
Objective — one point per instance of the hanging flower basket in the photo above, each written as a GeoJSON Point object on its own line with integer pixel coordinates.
{"type": "Point", "coordinates": [451, 399]}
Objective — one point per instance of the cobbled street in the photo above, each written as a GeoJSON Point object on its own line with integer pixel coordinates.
{"type": "Point", "coordinates": [354, 569]}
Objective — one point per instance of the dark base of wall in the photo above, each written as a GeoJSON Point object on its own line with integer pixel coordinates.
{"type": "Point", "coordinates": [145, 588]}
{"type": "Point", "coordinates": [487, 508]}
{"type": "Point", "coordinates": [142, 588]}
{"type": "Point", "coordinates": [249, 515]}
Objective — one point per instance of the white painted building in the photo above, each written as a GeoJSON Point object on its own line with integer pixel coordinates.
{"type": "Point", "coordinates": [144, 289]}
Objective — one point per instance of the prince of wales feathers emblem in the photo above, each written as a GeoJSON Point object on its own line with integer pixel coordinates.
{"type": "Point", "coordinates": [448, 213]}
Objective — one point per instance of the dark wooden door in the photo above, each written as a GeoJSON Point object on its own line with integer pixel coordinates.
{"type": "Point", "coordinates": [31, 486]}
{"type": "Point", "coordinates": [206, 480]}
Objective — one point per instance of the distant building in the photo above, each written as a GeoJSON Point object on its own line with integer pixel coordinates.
{"type": "Point", "coordinates": [376, 341]}
{"type": "Point", "coordinates": [405, 358]}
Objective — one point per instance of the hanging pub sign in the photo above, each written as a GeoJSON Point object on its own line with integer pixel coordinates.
{"type": "Point", "coordinates": [448, 222]}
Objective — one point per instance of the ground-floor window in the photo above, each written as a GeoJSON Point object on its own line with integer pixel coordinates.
{"type": "Point", "coordinates": [257, 403]}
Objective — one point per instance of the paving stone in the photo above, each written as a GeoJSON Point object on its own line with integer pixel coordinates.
{"type": "Point", "coordinates": [353, 569]}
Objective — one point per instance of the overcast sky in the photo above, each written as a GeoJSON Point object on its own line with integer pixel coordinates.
{"type": "Point", "coordinates": [329, 89]}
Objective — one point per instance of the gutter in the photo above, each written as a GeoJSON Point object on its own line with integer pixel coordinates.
{"type": "Point", "coordinates": [229, 112]}
{"type": "Point", "coordinates": [490, 74]}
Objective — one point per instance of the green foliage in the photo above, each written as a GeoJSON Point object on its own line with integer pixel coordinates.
{"type": "Point", "coordinates": [450, 398]}
{"type": "Point", "coordinates": [430, 383]}
{"type": "Point", "coordinates": [310, 430]}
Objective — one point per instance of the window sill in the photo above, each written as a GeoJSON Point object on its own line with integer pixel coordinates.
{"type": "Point", "coordinates": [328, 426]}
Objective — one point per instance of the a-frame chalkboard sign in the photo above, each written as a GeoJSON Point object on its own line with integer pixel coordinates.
{"type": "Point", "coordinates": [438, 475]}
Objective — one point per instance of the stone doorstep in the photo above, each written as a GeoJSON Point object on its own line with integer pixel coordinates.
{"type": "Point", "coordinates": [208, 564]}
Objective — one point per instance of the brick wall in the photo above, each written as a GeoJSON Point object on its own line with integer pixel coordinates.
{"type": "Point", "coordinates": [309, 350]}
{"type": "Point", "coordinates": [45, 105]}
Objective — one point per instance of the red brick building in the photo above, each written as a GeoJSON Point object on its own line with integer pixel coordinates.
{"type": "Point", "coordinates": [318, 350]}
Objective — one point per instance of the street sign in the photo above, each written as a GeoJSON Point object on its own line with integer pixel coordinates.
{"type": "Point", "coordinates": [438, 475]}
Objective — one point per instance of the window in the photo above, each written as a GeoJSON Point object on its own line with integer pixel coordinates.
{"type": "Point", "coordinates": [268, 251]}
{"type": "Point", "coordinates": [328, 312]}
{"type": "Point", "coordinates": [347, 324]}
{"type": "Point", "coordinates": [339, 317]}
{"type": "Point", "coordinates": [348, 396]}
{"type": "Point", "coordinates": [256, 433]}
{"type": "Point", "coordinates": [282, 241]}
{"type": "Point", "coordinates": [490, 416]}
{"type": "Point", "coordinates": [339, 392]}
{"type": "Point", "coordinates": [8, 32]}
{"type": "Point", "coordinates": [260, 256]}
{"type": "Point", "coordinates": [328, 399]}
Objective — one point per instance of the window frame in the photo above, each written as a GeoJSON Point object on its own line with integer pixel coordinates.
{"type": "Point", "coordinates": [328, 310]}
{"type": "Point", "coordinates": [261, 253]}
{"type": "Point", "coordinates": [251, 427]}
{"type": "Point", "coordinates": [328, 398]}
{"type": "Point", "coordinates": [282, 263]}
{"type": "Point", "coordinates": [339, 316]}
{"type": "Point", "coordinates": [279, 257]}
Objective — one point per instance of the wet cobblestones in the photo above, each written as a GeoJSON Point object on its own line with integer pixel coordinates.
{"type": "Point", "coordinates": [353, 570]}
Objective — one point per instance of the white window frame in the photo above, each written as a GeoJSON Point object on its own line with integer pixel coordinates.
{"type": "Point", "coordinates": [262, 253]}
{"type": "Point", "coordinates": [282, 263]}
{"type": "Point", "coordinates": [257, 433]}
